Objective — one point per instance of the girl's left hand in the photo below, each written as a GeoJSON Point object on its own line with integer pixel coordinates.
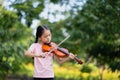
{"type": "Point", "coordinates": [71, 56]}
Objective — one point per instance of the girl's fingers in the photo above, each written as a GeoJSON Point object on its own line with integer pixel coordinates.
{"type": "Point", "coordinates": [44, 54]}
{"type": "Point", "coordinates": [71, 56]}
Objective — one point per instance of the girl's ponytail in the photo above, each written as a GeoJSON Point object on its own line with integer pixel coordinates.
{"type": "Point", "coordinates": [36, 39]}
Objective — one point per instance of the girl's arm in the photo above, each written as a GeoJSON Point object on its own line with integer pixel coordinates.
{"type": "Point", "coordinates": [31, 54]}
{"type": "Point", "coordinates": [63, 60]}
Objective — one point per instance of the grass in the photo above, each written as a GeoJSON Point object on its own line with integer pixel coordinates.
{"type": "Point", "coordinates": [71, 71]}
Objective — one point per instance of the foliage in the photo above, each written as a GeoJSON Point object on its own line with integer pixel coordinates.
{"type": "Point", "coordinates": [95, 24]}
{"type": "Point", "coordinates": [95, 30]}
{"type": "Point", "coordinates": [70, 71]}
{"type": "Point", "coordinates": [28, 9]}
{"type": "Point", "coordinates": [110, 51]}
{"type": "Point", "coordinates": [12, 45]}
{"type": "Point", "coordinates": [87, 68]}
{"type": "Point", "coordinates": [104, 31]}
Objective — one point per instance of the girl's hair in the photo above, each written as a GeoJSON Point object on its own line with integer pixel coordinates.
{"type": "Point", "coordinates": [39, 31]}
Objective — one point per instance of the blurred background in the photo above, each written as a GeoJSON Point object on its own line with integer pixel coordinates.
{"type": "Point", "coordinates": [93, 26]}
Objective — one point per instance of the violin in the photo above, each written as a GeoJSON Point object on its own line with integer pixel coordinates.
{"type": "Point", "coordinates": [59, 52]}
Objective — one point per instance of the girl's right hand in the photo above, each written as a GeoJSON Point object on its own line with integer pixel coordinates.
{"type": "Point", "coordinates": [43, 55]}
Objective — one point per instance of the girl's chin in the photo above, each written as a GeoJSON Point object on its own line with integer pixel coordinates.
{"type": "Point", "coordinates": [48, 42]}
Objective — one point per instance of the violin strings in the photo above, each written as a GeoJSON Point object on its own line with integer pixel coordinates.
{"type": "Point", "coordinates": [59, 44]}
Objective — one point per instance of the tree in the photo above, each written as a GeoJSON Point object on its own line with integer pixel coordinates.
{"type": "Point", "coordinates": [96, 23]}
{"type": "Point", "coordinates": [106, 45]}
{"type": "Point", "coordinates": [96, 29]}
{"type": "Point", "coordinates": [28, 10]}
{"type": "Point", "coordinates": [12, 45]}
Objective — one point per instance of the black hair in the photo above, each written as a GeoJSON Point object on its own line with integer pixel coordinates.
{"type": "Point", "coordinates": [39, 31]}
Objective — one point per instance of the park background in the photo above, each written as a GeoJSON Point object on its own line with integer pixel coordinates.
{"type": "Point", "coordinates": [93, 26]}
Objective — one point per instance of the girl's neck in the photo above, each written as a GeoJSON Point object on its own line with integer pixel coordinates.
{"type": "Point", "coordinates": [39, 42]}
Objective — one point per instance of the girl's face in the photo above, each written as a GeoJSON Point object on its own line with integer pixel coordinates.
{"type": "Point", "coordinates": [46, 36]}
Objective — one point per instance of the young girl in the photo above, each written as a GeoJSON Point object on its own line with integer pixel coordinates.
{"type": "Point", "coordinates": [43, 69]}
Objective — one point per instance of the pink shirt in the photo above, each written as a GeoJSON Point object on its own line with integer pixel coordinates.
{"type": "Point", "coordinates": [42, 66]}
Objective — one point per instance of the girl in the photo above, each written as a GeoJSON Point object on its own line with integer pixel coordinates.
{"type": "Point", "coordinates": [43, 61]}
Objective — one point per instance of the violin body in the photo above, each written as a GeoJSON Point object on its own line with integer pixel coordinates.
{"type": "Point", "coordinates": [59, 52]}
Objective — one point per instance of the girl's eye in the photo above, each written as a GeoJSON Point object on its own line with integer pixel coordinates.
{"type": "Point", "coordinates": [45, 36]}
{"type": "Point", "coordinates": [48, 35]}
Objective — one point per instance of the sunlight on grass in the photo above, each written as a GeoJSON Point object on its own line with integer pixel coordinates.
{"type": "Point", "coordinates": [112, 75]}
{"type": "Point", "coordinates": [72, 72]}
{"type": "Point", "coordinates": [66, 72]}
{"type": "Point", "coordinates": [29, 69]}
